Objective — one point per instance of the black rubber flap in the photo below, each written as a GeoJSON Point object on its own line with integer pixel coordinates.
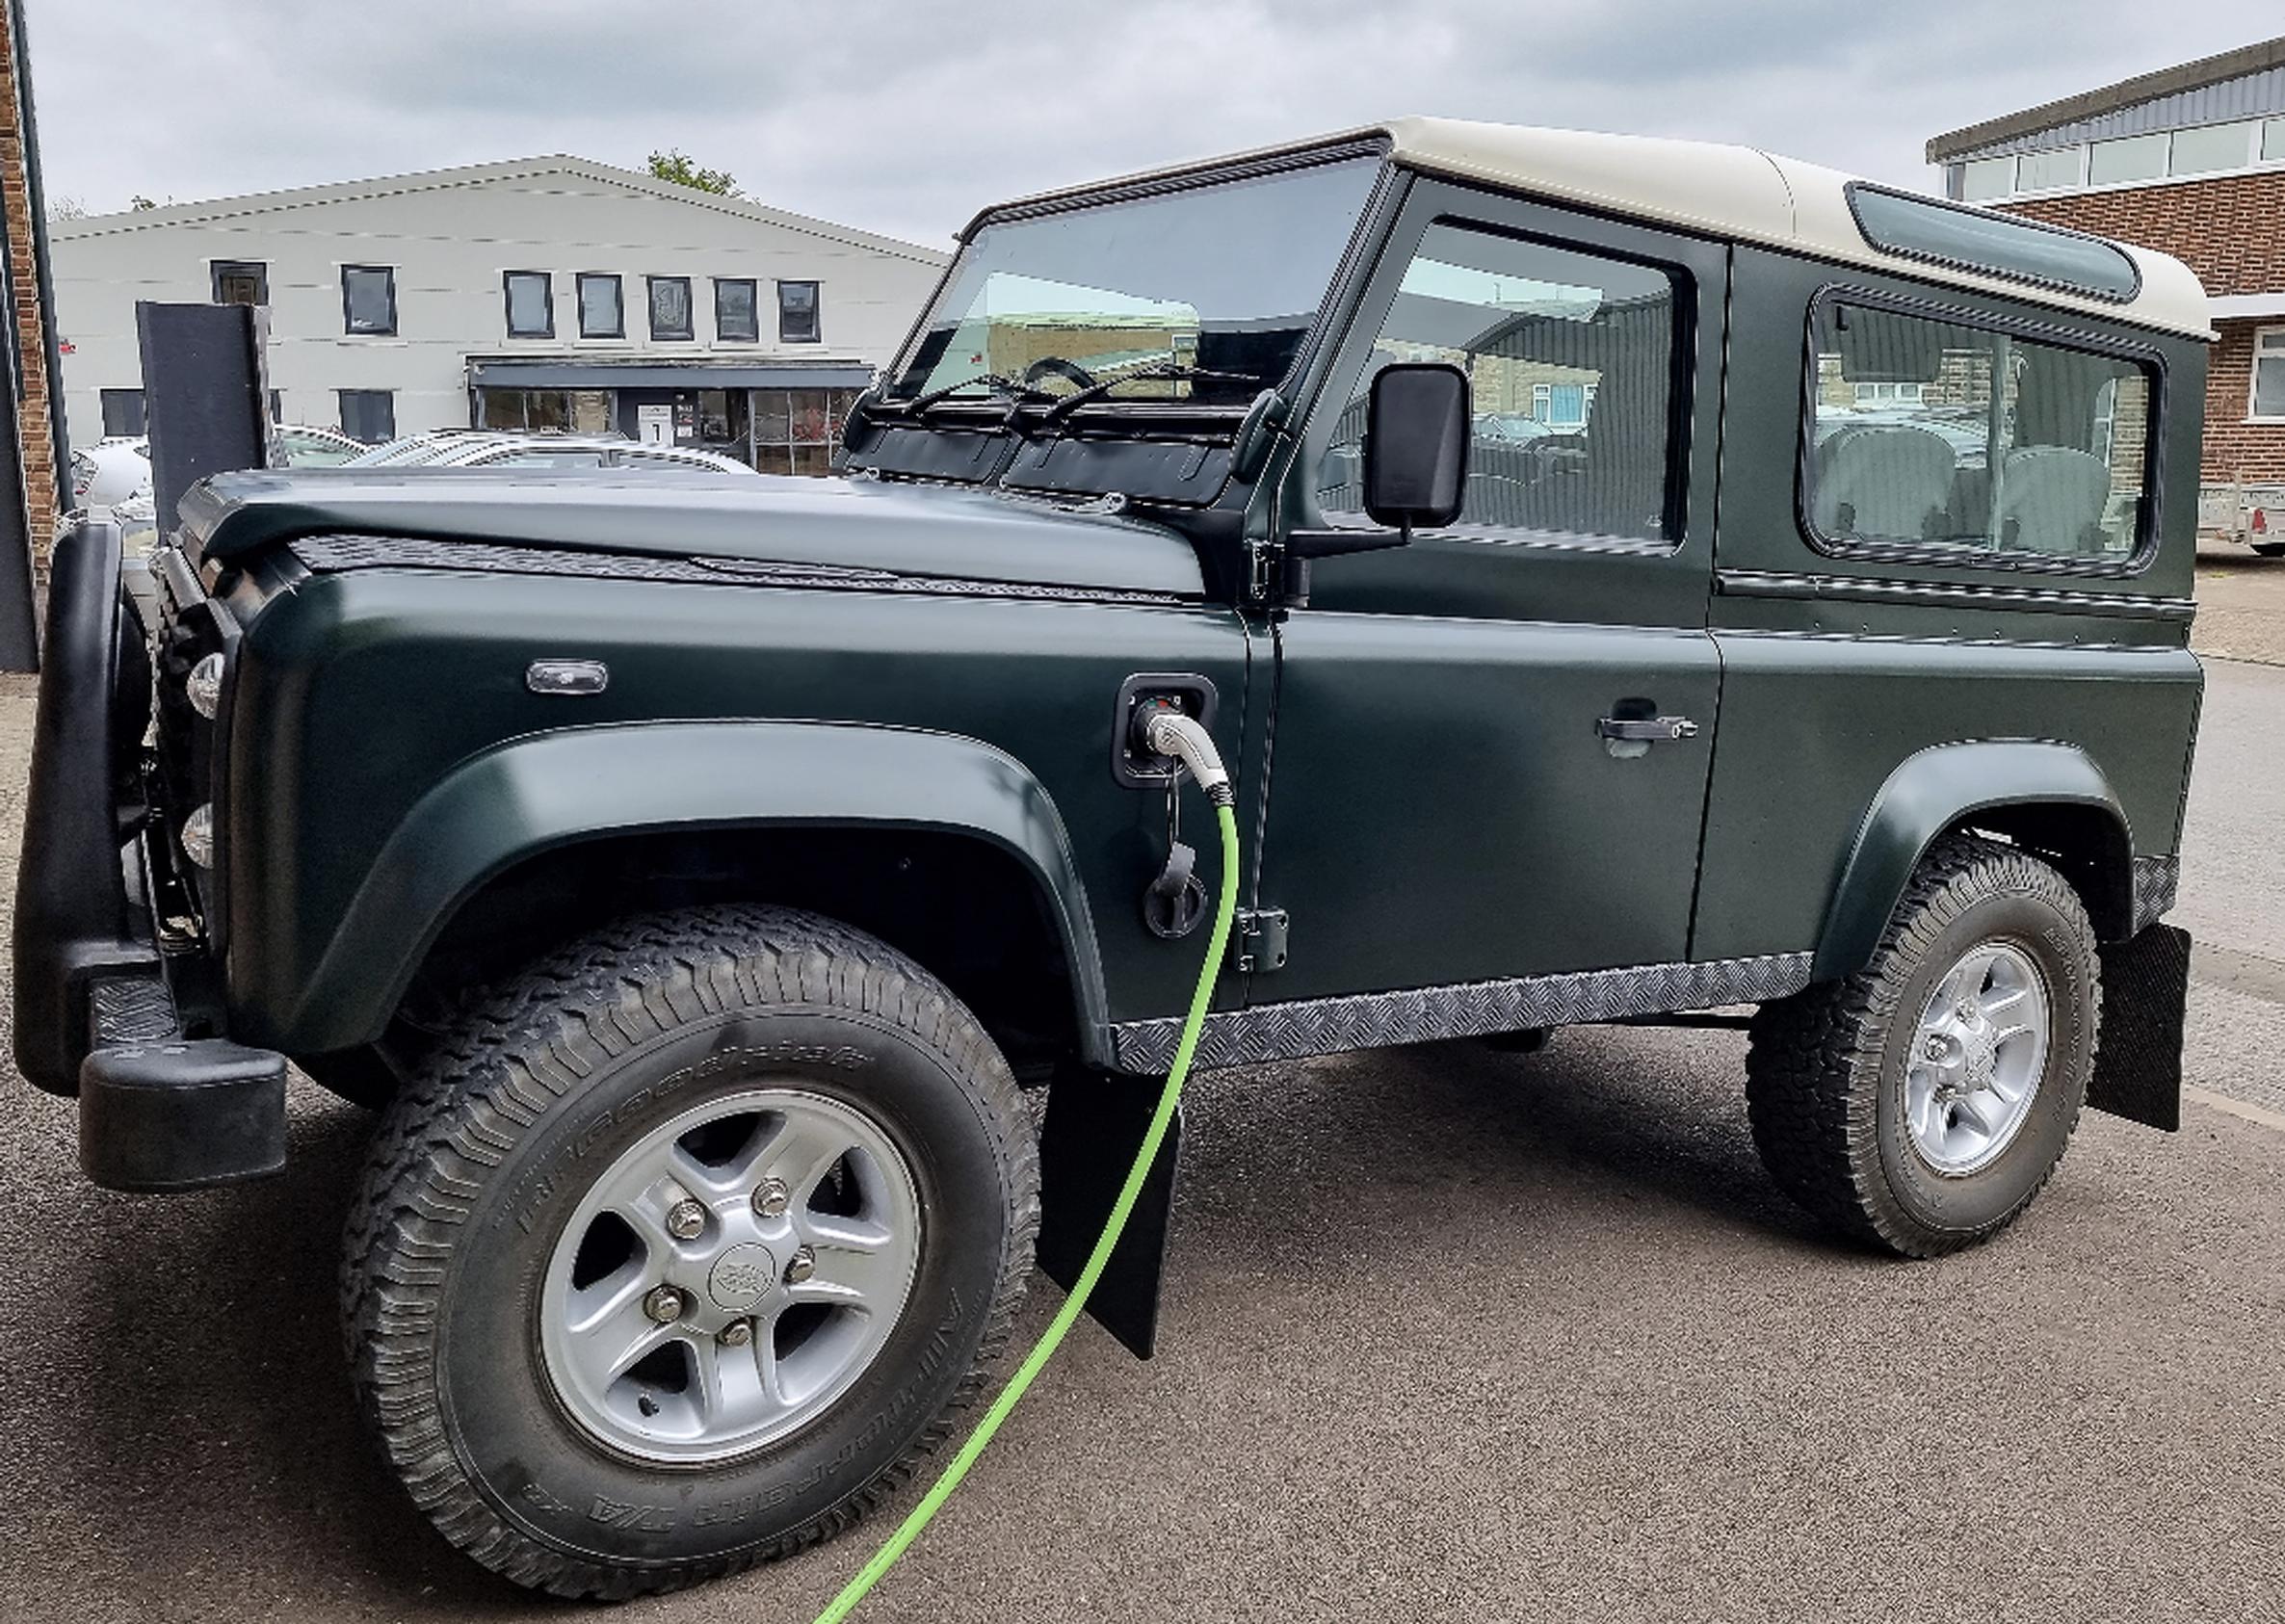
{"type": "Point", "coordinates": [2138, 1058]}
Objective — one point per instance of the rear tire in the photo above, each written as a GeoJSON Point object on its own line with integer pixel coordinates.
{"type": "Point", "coordinates": [1920, 1104]}
{"type": "Point", "coordinates": [632, 1088]}
{"type": "Point", "coordinates": [2269, 549]}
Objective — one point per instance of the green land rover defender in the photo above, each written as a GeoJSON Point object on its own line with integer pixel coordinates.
{"type": "Point", "coordinates": [1626, 579]}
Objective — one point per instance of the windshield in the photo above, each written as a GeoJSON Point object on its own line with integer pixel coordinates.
{"type": "Point", "coordinates": [1223, 279]}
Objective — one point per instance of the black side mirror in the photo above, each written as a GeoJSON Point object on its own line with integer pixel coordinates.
{"type": "Point", "coordinates": [1416, 445]}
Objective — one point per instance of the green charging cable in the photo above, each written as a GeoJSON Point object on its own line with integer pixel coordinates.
{"type": "Point", "coordinates": [1074, 1304]}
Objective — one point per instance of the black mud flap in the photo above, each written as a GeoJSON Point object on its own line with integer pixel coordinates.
{"type": "Point", "coordinates": [2138, 1056]}
{"type": "Point", "coordinates": [1095, 1123]}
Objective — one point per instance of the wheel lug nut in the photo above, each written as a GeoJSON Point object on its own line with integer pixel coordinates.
{"type": "Point", "coordinates": [736, 1334]}
{"type": "Point", "coordinates": [686, 1220]}
{"type": "Point", "coordinates": [1935, 1048]}
{"type": "Point", "coordinates": [800, 1267]}
{"type": "Point", "coordinates": [771, 1198]}
{"type": "Point", "coordinates": [664, 1304]}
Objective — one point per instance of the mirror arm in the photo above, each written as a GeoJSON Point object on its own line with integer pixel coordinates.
{"type": "Point", "coordinates": [1336, 543]}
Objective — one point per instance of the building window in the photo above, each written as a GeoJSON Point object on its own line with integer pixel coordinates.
{"type": "Point", "coordinates": [600, 312]}
{"type": "Point", "coordinates": [737, 313]}
{"type": "Point", "coordinates": [2046, 171]}
{"type": "Point", "coordinates": [670, 306]}
{"type": "Point", "coordinates": [2009, 445]}
{"type": "Point", "coordinates": [798, 430]}
{"type": "Point", "coordinates": [2114, 163]}
{"type": "Point", "coordinates": [796, 313]}
{"type": "Point", "coordinates": [2268, 404]}
{"type": "Point", "coordinates": [240, 281]}
{"type": "Point", "coordinates": [276, 407]}
{"type": "Point", "coordinates": [2273, 142]}
{"type": "Point", "coordinates": [1570, 363]}
{"type": "Point", "coordinates": [369, 301]}
{"type": "Point", "coordinates": [2212, 147]}
{"type": "Point", "coordinates": [122, 413]}
{"type": "Point", "coordinates": [1889, 394]}
{"type": "Point", "coordinates": [369, 416]}
{"type": "Point", "coordinates": [1982, 179]}
{"type": "Point", "coordinates": [531, 301]}
{"type": "Point", "coordinates": [544, 411]}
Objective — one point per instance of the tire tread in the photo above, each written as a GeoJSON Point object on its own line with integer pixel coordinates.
{"type": "Point", "coordinates": [1813, 1061]}
{"type": "Point", "coordinates": [531, 1040]}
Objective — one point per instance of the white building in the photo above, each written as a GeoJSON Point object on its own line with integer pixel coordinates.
{"type": "Point", "coordinates": [546, 292]}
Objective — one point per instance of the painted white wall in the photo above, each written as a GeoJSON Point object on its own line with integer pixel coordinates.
{"type": "Point", "coordinates": [450, 235]}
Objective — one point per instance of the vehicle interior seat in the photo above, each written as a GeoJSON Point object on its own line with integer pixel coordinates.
{"type": "Point", "coordinates": [1883, 480]}
{"type": "Point", "coordinates": [2051, 499]}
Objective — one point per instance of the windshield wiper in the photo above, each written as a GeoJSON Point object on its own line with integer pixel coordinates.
{"type": "Point", "coordinates": [1165, 371]}
{"type": "Point", "coordinates": [1002, 388]}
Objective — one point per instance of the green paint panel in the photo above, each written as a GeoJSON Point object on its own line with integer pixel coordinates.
{"type": "Point", "coordinates": [362, 691]}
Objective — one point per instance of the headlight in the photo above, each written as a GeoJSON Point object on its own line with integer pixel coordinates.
{"type": "Point", "coordinates": [204, 686]}
{"type": "Point", "coordinates": [197, 836]}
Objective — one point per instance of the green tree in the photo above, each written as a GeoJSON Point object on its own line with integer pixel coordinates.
{"type": "Point", "coordinates": [675, 165]}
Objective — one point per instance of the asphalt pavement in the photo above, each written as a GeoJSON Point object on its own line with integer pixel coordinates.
{"type": "Point", "coordinates": [1450, 1335]}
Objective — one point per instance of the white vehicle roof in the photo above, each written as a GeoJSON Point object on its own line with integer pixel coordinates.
{"type": "Point", "coordinates": [1733, 193]}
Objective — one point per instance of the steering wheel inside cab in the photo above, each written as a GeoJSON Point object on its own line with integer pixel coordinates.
{"type": "Point", "coordinates": [1055, 366]}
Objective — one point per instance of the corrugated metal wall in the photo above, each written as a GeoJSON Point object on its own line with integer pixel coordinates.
{"type": "Point", "coordinates": [2251, 96]}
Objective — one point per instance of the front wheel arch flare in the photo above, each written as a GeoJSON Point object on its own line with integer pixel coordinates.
{"type": "Point", "coordinates": [535, 795]}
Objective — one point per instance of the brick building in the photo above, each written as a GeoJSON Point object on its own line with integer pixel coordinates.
{"type": "Point", "coordinates": [30, 458]}
{"type": "Point", "coordinates": [2190, 160]}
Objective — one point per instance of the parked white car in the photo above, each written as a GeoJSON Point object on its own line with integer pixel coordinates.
{"type": "Point", "coordinates": [109, 471]}
{"type": "Point", "coordinates": [479, 448]}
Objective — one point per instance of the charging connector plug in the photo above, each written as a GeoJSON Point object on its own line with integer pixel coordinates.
{"type": "Point", "coordinates": [1166, 731]}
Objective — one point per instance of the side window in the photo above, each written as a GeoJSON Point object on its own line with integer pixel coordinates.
{"type": "Point", "coordinates": [1927, 431]}
{"type": "Point", "coordinates": [599, 313]}
{"type": "Point", "coordinates": [796, 313]}
{"type": "Point", "coordinates": [369, 300]}
{"type": "Point", "coordinates": [369, 416]}
{"type": "Point", "coordinates": [240, 281]}
{"type": "Point", "coordinates": [123, 413]}
{"type": "Point", "coordinates": [1571, 357]}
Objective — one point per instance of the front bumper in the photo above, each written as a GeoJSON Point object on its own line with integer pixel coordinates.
{"type": "Point", "coordinates": [103, 1009]}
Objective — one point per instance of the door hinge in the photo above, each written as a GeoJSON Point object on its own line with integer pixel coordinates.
{"type": "Point", "coordinates": [1261, 561]}
{"type": "Point", "coordinates": [1257, 940]}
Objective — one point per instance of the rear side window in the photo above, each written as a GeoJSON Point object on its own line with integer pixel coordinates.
{"type": "Point", "coordinates": [1932, 432]}
{"type": "Point", "coordinates": [1571, 359]}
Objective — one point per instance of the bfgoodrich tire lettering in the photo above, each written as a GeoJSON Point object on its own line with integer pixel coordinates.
{"type": "Point", "coordinates": [481, 1162]}
{"type": "Point", "coordinates": [1825, 1076]}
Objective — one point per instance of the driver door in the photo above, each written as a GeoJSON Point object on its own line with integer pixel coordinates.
{"type": "Point", "coordinates": [1444, 804]}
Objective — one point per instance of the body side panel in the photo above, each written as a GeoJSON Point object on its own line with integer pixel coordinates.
{"type": "Point", "coordinates": [359, 692]}
{"type": "Point", "coordinates": [1840, 667]}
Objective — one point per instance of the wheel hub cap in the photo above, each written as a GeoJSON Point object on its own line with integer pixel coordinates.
{"type": "Point", "coordinates": [756, 1348]}
{"type": "Point", "coordinates": [741, 1278]}
{"type": "Point", "coordinates": [1978, 1054]}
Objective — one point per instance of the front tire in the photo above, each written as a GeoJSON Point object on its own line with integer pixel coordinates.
{"type": "Point", "coordinates": [1920, 1104]}
{"type": "Point", "coordinates": [681, 1252]}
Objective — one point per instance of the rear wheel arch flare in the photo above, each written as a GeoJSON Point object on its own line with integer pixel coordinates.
{"type": "Point", "coordinates": [2049, 797]}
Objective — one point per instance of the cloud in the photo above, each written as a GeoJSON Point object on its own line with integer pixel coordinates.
{"type": "Point", "coordinates": [906, 116]}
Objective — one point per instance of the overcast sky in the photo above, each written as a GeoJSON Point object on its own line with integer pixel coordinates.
{"type": "Point", "coordinates": [905, 116]}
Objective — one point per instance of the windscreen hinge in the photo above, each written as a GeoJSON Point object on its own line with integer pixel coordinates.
{"type": "Point", "coordinates": [1258, 940]}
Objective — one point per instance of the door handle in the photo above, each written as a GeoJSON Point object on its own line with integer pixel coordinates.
{"type": "Point", "coordinates": [1647, 729]}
